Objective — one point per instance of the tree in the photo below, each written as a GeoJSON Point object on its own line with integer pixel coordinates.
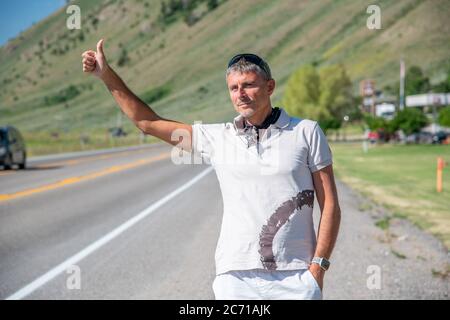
{"type": "Point", "coordinates": [444, 117]}
{"type": "Point", "coordinates": [81, 36]}
{"type": "Point", "coordinates": [175, 5]}
{"type": "Point", "coordinates": [375, 123]}
{"type": "Point", "coordinates": [302, 93]}
{"type": "Point", "coordinates": [123, 58]}
{"type": "Point", "coordinates": [410, 120]}
{"type": "Point", "coordinates": [212, 4]}
{"type": "Point", "coordinates": [383, 127]}
{"type": "Point", "coordinates": [163, 12]}
{"type": "Point", "coordinates": [447, 82]}
{"type": "Point", "coordinates": [416, 82]}
{"type": "Point", "coordinates": [443, 86]}
{"type": "Point", "coordinates": [324, 96]}
{"type": "Point", "coordinates": [335, 94]}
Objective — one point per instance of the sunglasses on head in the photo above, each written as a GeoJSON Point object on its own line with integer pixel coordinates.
{"type": "Point", "coordinates": [252, 58]}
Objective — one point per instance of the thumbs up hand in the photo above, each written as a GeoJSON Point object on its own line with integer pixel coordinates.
{"type": "Point", "coordinates": [95, 62]}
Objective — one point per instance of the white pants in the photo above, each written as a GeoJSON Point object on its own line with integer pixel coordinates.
{"type": "Point", "coordinates": [266, 285]}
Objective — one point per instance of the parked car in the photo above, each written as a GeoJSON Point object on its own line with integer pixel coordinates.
{"type": "Point", "coordinates": [372, 136]}
{"type": "Point", "coordinates": [12, 148]}
{"type": "Point", "coordinates": [425, 137]}
{"type": "Point", "coordinates": [439, 137]}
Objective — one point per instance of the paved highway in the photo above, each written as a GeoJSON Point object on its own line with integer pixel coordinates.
{"type": "Point", "coordinates": [130, 224]}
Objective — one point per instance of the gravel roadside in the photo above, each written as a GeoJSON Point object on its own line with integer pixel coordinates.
{"type": "Point", "coordinates": [399, 261]}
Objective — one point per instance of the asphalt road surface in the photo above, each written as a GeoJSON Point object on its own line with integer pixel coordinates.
{"type": "Point", "coordinates": [130, 224]}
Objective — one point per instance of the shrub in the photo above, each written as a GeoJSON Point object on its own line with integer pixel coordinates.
{"type": "Point", "coordinates": [156, 94]}
{"type": "Point", "coordinates": [444, 117]}
{"type": "Point", "coordinates": [62, 96]}
{"type": "Point", "coordinates": [410, 120]}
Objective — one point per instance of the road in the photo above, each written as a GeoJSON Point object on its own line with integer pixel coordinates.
{"type": "Point", "coordinates": [130, 224]}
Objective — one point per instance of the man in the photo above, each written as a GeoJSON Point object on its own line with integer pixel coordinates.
{"type": "Point", "coordinates": [269, 166]}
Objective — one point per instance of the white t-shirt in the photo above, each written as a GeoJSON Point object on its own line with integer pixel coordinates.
{"type": "Point", "coordinates": [267, 190]}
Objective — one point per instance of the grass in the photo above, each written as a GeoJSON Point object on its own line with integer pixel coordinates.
{"type": "Point", "coordinates": [350, 131]}
{"type": "Point", "coordinates": [401, 178]}
{"type": "Point", "coordinates": [398, 254]}
{"type": "Point", "coordinates": [155, 94]}
{"type": "Point", "coordinates": [383, 224]}
{"type": "Point", "coordinates": [58, 142]}
{"type": "Point", "coordinates": [443, 274]}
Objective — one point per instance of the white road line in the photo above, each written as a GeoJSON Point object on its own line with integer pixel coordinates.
{"type": "Point", "coordinates": [48, 276]}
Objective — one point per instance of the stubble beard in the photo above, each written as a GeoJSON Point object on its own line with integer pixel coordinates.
{"type": "Point", "coordinates": [246, 113]}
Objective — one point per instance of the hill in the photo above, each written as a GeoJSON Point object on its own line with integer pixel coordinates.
{"type": "Point", "coordinates": [177, 60]}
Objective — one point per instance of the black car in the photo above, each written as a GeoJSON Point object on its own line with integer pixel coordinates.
{"type": "Point", "coordinates": [440, 137]}
{"type": "Point", "coordinates": [12, 148]}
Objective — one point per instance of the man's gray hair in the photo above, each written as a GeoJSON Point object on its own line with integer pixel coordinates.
{"type": "Point", "coordinates": [243, 66]}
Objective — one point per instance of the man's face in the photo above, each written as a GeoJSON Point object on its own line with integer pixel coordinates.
{"type": "Point", "coordinates": [249, 92]}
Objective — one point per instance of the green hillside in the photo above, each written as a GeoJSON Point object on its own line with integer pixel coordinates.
{"type": "Point", "coordinates": [179, 63]}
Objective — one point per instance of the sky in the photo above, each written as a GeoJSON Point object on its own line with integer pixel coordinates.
{"type": "Point", "coordinates": [19, 15]}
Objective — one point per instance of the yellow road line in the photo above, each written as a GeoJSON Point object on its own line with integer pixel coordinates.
{"type": "Point", "coordinates": [73, 162]}
{"type": "Point", "coordinates": [101, 157]}
{"type": "Point", "coordinates": [6, 173]}
{"type": "Point", "coordinates": [76, 179]}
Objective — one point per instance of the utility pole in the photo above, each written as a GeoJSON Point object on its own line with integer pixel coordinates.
{"type": "Point", "coordinates": [402, 84]}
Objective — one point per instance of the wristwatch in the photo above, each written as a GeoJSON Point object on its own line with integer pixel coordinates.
{"type": "Point", "coordinates": [322, 262]}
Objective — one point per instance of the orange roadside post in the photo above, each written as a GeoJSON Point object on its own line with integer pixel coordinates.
{"type": "Point", "coordinates": [440, 167]}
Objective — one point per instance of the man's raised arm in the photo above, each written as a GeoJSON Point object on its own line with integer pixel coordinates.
{"type": "Point", "coordinates": [140, 113]}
